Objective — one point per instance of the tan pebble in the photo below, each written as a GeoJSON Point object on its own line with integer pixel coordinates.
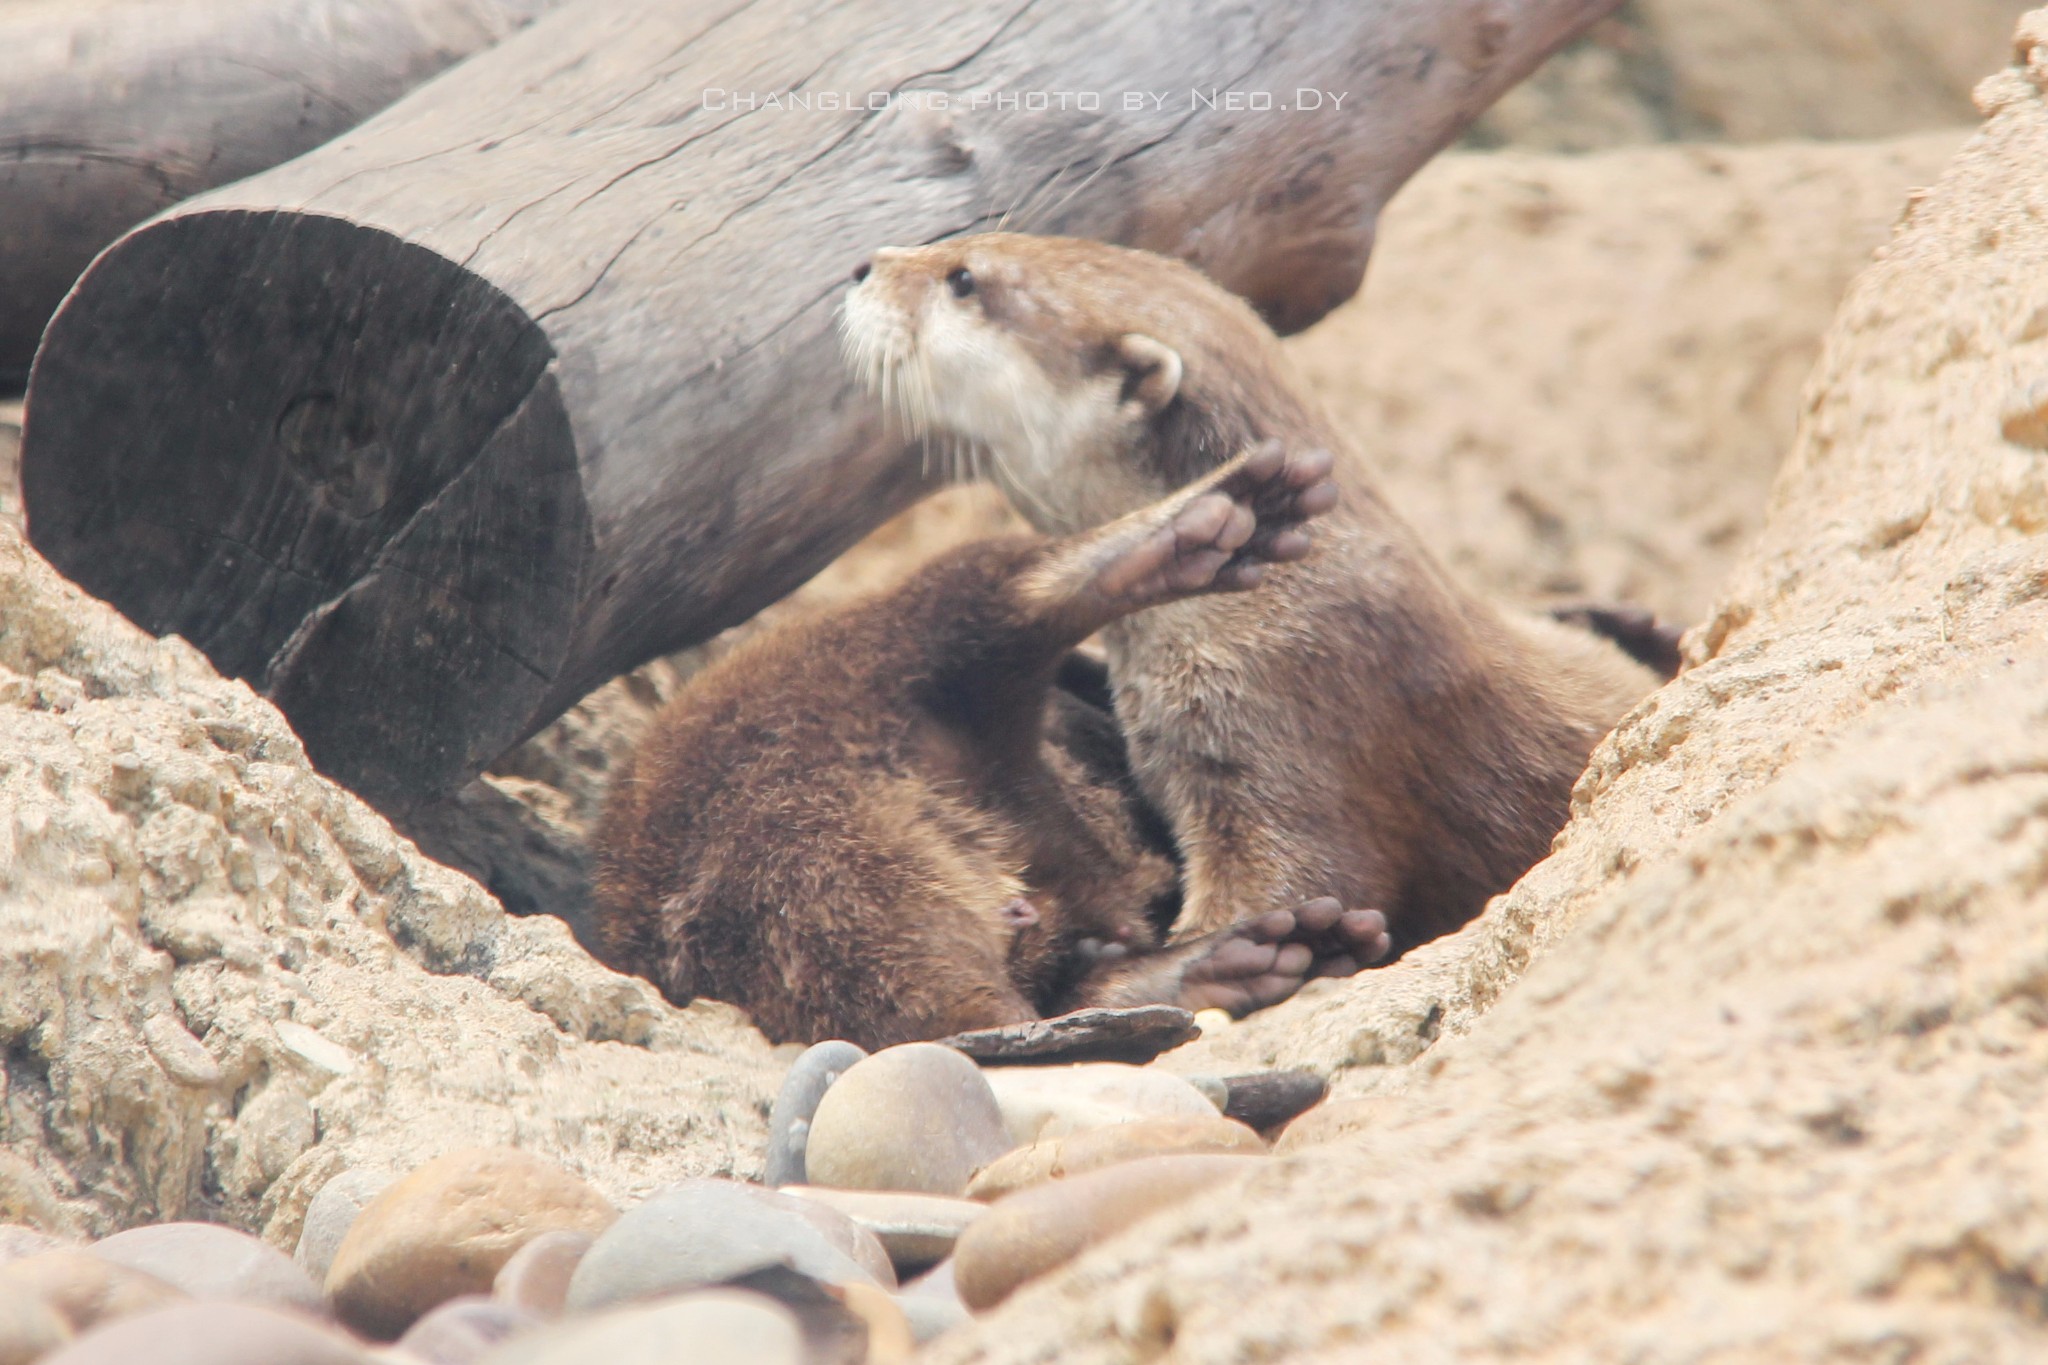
{"type": "Point", "coordinates": [1039, 1229]}
{"type": "Point", "coordinates": [1212, 1022]}
{"type": "Point", "coordinates": [83, 1289]}
{"type": "Point", "coordinates": [1099, 1148]}
{"type": "Point", "coordinates": [714, 1327]}
{"type": "Point", "coordinates": [889, 1338]}
{"type": "Point", "coordinates": [919, 1118]}
{"type": "Point", "coordinates": [447, 1229]}
{"type": "Point", "coordinates": [30, 1329]}
{"type": "Point", "coordinates": [211, 1334]}
{"type": "Point", "coordinates": [916, 1230]}
{"type": "Point", "coordinates": [208, 1261]}
{"type": "Point", "coordinates": [536, 1277]}
{"type": "Point", "coordinates": [1051, 1101]}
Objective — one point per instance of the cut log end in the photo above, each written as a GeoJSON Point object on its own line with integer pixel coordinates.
{"type": "Point", "coordinates": [376, 518]}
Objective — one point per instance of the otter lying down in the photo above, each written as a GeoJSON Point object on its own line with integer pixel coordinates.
{"type": "Point", "coordinates": [892, 823]}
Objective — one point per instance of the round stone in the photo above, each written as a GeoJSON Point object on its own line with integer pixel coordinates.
{"type": "Point", "coordinates": [331, 1214]}
{"type": "Point", "coordinates": [460, 1330]}
{"type": "Point", "coordinates": [447, 1229]}
{"type": "Point", "coordinates": [83, 1289]}
{"type": "Point", "coordinates": [1052, 1101]}
{"type": "Point", "coordinates": [701, 1232]}
{"type": "Point", "coordinates": [931, 1303]}
{"type": "Point", "coordinates": [789, 1121]}
{"type": "Point", "coordinates": [211, 1334]}
{"type": "Point", "coordinates": [29, 1329]}
{"type": "Point", "coordinates": [1057, 1158]}
{"type": "Point", "coordinates": [208, 1261]}
{"type": "Point", "coordinates": [536, 1277]}
{"type": "Point", "coordinates": [918, 1118]}
{"type": "Point", "coordinates": [1048, 1225]}
{"type": "Point", "coordinates": [916, 1230]}
{"type": "Point", "coordinates": [716, 1327]}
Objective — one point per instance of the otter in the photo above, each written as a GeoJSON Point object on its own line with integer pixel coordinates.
{"type": "Point", "coordinates": [1362, 727]}
{"type": "Point", "coordinates": [888, 823]}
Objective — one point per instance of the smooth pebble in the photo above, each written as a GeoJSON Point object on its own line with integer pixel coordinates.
{"type": "Point", "coordinates": [331, 1213]}
{"type": "Point", "coordinates": [460, 1330]}
{"type": "Point", "coordinates": [716, 1327]}
{"type": "Point", "coordinates": [1056, 1158]}
{"type": "Point", "coordinates": [211, 1334]}
{"type": "Point", "coordinates": [918, 1118]}
{"type": "Point", "coordinates": [931, 1303]}
{"type": "Point", "coordinates": [917, 1230]}
{"type": "Point", "coordinates": [789, 1120]}
{"type": "Point", "coordinates": [1038, 1229]}
{"type": "Point", "coordinates": [1052, 1101]}
{"type": "Point", "coordinates": [208, 1261]}
{"type": "Point", "coordinates": [29, 1328]}
{"type": "Point", "coordinates": [701, 1232]}
{"type": "Point", "coordinates": [536, 1277]}
{"type": "Point", "coordinates": [85, 1289]}
{"type": "Point", "coordinates": [447, 1229]}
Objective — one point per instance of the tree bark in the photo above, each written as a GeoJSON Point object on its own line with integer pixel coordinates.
{"type": "Point", "coordinates": [113, 110]}
{"type": "Point", "coordinates": [533, 377]}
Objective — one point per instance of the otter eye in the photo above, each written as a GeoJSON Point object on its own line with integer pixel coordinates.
{"type": "Point", "coordinates": [961, 282]}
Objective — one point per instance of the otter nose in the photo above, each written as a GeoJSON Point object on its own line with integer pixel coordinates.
{"type": "Point", "coordinates": [862, 271]}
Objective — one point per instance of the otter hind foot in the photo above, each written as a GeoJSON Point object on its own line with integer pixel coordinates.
{"type": "Point", "coordinates": [1267, 958]}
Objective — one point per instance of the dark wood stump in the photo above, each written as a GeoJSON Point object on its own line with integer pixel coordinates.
{"type": "Point", "coordinates": [112, 110]}
{"type": "Point", "coordinates": [533, 377]}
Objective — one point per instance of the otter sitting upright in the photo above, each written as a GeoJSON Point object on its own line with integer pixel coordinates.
{"type": "Point", "coordinates": [855, 826]}
{"type": "Point", "coordinates": [1359, 728]}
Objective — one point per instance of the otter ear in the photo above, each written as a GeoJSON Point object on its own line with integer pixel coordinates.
{"type": "Point", "coordinates": [1151, 375]}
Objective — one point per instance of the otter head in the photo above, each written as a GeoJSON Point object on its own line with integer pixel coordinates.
{"type": "Point", "coordinates": [1096, 379]}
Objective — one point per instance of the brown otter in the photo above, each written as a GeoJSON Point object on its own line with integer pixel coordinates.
{"type": "Point", "coordinates": [862, 825]}
{"type": "Point", "coordinates": [1361, 727]}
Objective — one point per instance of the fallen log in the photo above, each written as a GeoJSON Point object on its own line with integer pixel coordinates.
{"type": "Point", "coordinates": [113, 110]}
{"type": "Point", "coordinates": [533, 377]}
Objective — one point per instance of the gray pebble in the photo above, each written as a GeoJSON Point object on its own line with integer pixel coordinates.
{"type": "Point", "coordinates": [330, 1215]}
{"type": "Point", "coordinates": [916, 1230]}
{"type": "Point", "coordinates": [210, 1334]}
{"type": "Point", "coordinates": [212, 1262]}
{"type": "Point", "coordinates": [789, 1121]}
{"type": "Point", "coordinates": [719, 1327]}
{"type": "Point", "coordinates": [917, 1118]}
{"type": "Point", "coordinates": [701, 1232]}
{"type": "Point", "coordinates": [462, 1329]}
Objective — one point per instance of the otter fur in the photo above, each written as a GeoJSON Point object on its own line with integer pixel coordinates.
{"type": "Point", "coordinates": [1361, 727]}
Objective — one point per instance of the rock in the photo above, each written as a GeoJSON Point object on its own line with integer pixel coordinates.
{"type": "Point", "coordinates": [889, 1338]}
{"type": "Point", "coordinates": [460, 1330]}
{"type": "Point", "coordinates": [1751, 1067]}
{"type": "Point", "coordinates": [1134, 1035]}
{"type": "Point", "coordinates": [720, 1327]}
{"type": "Point", "coordinates": [446, 1230]}
{"type": "Point", "coordinates": [17, 1241]}
{"type": "Point", "coordinates": [917, 1230]}
{"type": "Point", "coordinates": [1052, 1101]}
{"type": "Point", "coordinates": [915, 1118]}
{"type": "Point", "coordinates": [703, 1232]}
{"type": "Point", "coordinates": [535, 1278]}
{"type": "Point", "coordinates": [83, 1289]}
{"type": "Point", "coordinates": [1267, 1099]}
{"type": "Point", "coordinates": [29, 1329]}
{"type": "Point", "coordinates": [841, 1231]}
{"type": "Point", "coordinates": [214, 1333]}
{"type": "Point", "coordinates": [178, 875]}
{"type": "Point", "coordinates": [931, 1304]}
{"type": "Point", "coordinates": [789, 1122]}
{"type": "Point", "coordinates": [1034, 1231]}
{"type": "Point", "coordinates": [1057, 1158]}
{"type": "Point", "coordinates": [211, 1262]}
{"type": "Point", "coordinates": [330, 1214]}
